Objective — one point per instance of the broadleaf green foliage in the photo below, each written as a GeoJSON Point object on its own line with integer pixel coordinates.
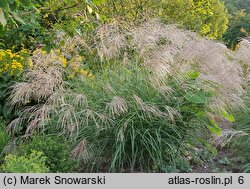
{"type": "Point", "coordinates": [197, 97]}
{"type": "Point", "coordinates": [32, 163]}
{"type": "Point", "coordinates": [35, 23]}
{"type": "Point", "coordinates": [207, 17]}
{"type": "Point", "coordinates": [27, 36]}
{"type": "Point", "coordinates": [239, 28]}
{"type": "Point", "coordinates": [8, 8]}
{"type": "Point", "coordinates": [234, 5]}
{"type": "Point", "coordinates": [214, 128]}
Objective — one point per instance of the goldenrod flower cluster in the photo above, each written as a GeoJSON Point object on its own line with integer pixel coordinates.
{"type": "Point", "coordinates": [13, 63]}
{"type": "Point", "coordinates": [73, 66]}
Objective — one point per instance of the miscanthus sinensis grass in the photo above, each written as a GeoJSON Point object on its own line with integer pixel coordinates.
{"type": "Point", "coordinates": [166, 49]}
{"type": "Point", "coordinates": [161, 90]}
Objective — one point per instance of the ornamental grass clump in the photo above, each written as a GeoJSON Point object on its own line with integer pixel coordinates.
{"type": "Point", "coordinates": [243, 55]}
{"type": "Point", "coordinates": [157, 98]}
{"type": "Point", "coordinates": [130, 124]}
{"type": "Point", "coordinates": [42, 88]}
{"type": "Point", "coordinates": [123, 120]}
{"type": "Point", "coordinates": [167, 49]}
{"type": "Point", "coordinates": [34, 98]}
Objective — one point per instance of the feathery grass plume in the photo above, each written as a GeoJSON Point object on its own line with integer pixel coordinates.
{"type": "Point", "coordinates": [169, 50]}
{"type": "Point", "coordinates": [173, 114]}
{"type": "Point", "coordinates": [67, 118]}
{"type": "Point", "coordinates": [117, 106]}
{"type": "Point", "coordinates": [81, 151]}
{"type": "Point", "coordinates": [71, 45]}
{"type": "Point", "coordinates": [41, 84]}
{"type": "Point", "coordinates": [70, 50]}
{"type": "Point", "coordinates": [80, 100]}
{"type": "Point", "coordinates": [13, 125]}
{"type": "Point", "coordinates": [243, 56]}
{"type": "Point", "coordinates": [213, 60]}
{"type": "Point", "coordinates": [36, 95]}
{"type": "Point", "coordinates": [217, 65]}
{"type": "Point", "coordinates": [147, 108]}
{"type": "Point", "coordinates": [146, 36]}
{"type": "Point", "coordinates": [121, 132]}
{"type": "Point", "coordinates": [243, 50]}
{"type": "Point", "coordinates": [109, 41]}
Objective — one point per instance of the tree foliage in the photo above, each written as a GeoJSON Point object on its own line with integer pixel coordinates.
{"type": "Point", "coordinates": [9, 9]}
{"type": "Point", "coordinates": [234, 5]}
{"type": "Point", "coordinates": [208, 17]}
{"type": "Point", "coordinates": [34, 22]}
{"type": "Point", "coordinates": [239, 28]}
{"type": "Point", "coordinates": [239, 25]}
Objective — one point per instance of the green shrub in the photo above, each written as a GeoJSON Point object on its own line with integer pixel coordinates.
{"type": "Point", "coordinates": [32, 163]}
{"type": "Point", "coordinates": [4, 137]}
{"type": "Point", "coordinates": [207, 17]}
{"type": "Point", "coordinates": [56, 149]}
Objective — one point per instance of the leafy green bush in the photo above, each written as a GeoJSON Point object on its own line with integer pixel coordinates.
{"type": "Point", "coordinates": [239, 27]}
{"type": "Point", "coordinates": [206, 17]}
{"type": "Point", "coordinates": [4, 138]}
{"type": "Point", "coordinates": [32, 163]}
{"type": "Point", "coordinates": [56, 149]}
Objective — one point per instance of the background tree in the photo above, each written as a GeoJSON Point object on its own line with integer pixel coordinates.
{"type": "Point", "coordinates": [239, 25]}
{"type": "Point", "coordinates": [234, 5]}
{"type": "Point", "coordinates": [35, 22]}
{"type": "Point", "coordinates": [207, 17]}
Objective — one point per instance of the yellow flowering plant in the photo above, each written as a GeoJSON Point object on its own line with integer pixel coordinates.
{"type": "Point", "coordinates": [72, 67]}
{"type": "Point", "coordinates": [12, 64]}
{"type": "Point", "coordinates": [75, 68]}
